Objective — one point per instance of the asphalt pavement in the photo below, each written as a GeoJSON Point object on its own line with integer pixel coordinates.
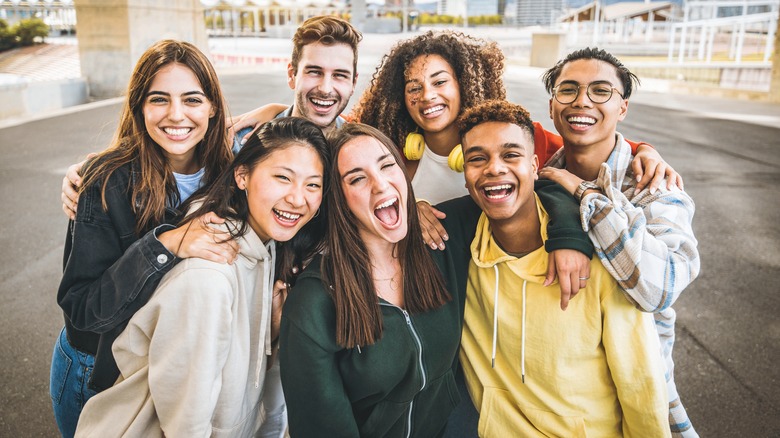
{"type": "Point", "coordinates": [728, 333]}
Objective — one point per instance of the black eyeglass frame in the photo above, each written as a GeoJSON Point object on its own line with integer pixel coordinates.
{"type": "Point", "coordinates": [612, 91]}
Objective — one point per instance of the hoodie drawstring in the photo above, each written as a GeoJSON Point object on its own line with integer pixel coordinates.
{"type": "Point", "coordinates": [495, 319]}
{"type": "Point", "coordinates": [267, 281]}
{"type": "Point", "coordinates": [522, 338]}
{"type": "Point", "coordinates": [495, 327]}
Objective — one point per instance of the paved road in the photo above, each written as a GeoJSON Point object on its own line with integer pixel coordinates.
{"type": "Point", "coordinates": [728, 330]}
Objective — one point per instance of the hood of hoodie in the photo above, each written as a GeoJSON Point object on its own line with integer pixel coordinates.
{"type": "Point", "coordinates": [532, 268]}
{"type": "Point", "coordinates": [251, 251]}
{"type": "Point", "coordinates": [486, 253]}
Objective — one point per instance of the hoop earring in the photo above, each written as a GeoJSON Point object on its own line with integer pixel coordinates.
{"type": "Point", "coordinates": [316, 214]}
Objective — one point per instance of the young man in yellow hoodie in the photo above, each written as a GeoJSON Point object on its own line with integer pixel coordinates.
{"type": "Point", "coordinates": [531, 369]}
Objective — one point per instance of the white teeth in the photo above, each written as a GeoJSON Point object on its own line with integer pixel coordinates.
{"type": "Point", "coordinates": [176, 132]}
{"type": "Point", "coordinates": [433, 109]}
{"type": "Point", "coordinates": [587, 120]}
{"type": "Point", "coordinates": [387, 203]}
{"type": "Point", "coordinates": [324, 102]}
{"type": "Point", "coordinates": [493, 188]}
{"type": "Point", "coordinates": [286, 215]}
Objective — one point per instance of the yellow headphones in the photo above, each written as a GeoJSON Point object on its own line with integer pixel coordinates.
{"type": "Point", "coordinates": [415, 144]}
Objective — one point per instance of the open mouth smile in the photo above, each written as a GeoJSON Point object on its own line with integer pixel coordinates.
{"type": "Point", "coordinates": [498, 192]}
{"type": "Point", "coordinates": [387, 212]}
{"type": "Point", "coordinates": [322, 104]}
{"type": "Point", "coordinates": [177, 132]}
{"type": "Point", "coordinates": [433, 109]}
{"type": "Point", "coordinates": [581, 121]}
{"type": "Point", "coordinates": [287, 217]}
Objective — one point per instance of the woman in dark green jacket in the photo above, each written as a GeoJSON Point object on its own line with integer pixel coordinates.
{"type": "Point", "coordinates": [371, 354]}
{"type": "Point", "coordinates": [370, 333]}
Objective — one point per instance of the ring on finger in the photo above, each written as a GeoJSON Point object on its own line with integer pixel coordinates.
{"type": "Point", "coordinates": [584, 278]}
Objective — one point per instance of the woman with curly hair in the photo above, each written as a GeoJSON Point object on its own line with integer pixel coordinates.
{"type": "Point", "coordinates": [416, 94]}
{"type": "Point", "coordinates": [419, 90]}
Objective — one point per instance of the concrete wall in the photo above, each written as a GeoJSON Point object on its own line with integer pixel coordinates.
{"type": "Point", "coordinates": [21, 97]}
{"type": "Point", "coordinates": [547, 48]}
{"type": "Point", "coordinates": [113, 34]}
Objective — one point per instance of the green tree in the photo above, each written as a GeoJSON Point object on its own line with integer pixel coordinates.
{"type": "Point", "coordinates": [28, 30]}
{"type": "Point", "coordinates": [7, 37]}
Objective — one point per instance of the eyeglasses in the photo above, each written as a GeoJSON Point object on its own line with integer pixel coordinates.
{"type": "Point", "coordinates": [598, 92]}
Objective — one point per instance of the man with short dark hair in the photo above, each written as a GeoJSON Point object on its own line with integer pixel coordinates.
{"type": "Point", "coordinates": [644, 239]}
{"type": "Point", "coordinates": [532, 369]}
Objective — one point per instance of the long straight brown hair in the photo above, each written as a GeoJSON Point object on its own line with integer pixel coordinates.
{"type": "Point", "coordinates": [156, 186]}
{"type": "Point", "coordinates": [345, 268]}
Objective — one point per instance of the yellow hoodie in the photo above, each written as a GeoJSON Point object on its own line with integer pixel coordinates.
{"type": "Point", "coordinates": [592, 370]}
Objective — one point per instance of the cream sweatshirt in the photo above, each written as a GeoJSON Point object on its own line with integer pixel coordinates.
{"type": "Point", "coordinates": [193, 359]}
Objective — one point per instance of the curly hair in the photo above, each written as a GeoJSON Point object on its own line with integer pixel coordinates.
{"type": "Point", "coordinates": [495, 111]}
{"type": "Point", "coordinates": [478, 64]}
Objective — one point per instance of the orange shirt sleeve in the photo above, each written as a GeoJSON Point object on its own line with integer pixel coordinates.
{"type": "Point", "coordinates": [546, 143]}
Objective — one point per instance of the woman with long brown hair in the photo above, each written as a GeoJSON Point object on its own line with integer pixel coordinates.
{"type": "Point", "coordinates": [370, 332]}
{"type": "Point", "coordinates": [194, 359]}
{"type": "Point", "coordinates": [171, 140]}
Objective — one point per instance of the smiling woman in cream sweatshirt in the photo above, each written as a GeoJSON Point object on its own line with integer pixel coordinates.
{"type": "Point", "coordinates": [193, 361]}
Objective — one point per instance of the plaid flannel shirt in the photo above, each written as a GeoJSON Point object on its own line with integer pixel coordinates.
{"type": "Point", "coordinates": [646, 243]}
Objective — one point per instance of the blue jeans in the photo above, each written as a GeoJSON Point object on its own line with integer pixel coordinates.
{"type": "Point", "coordinates": [70, 371]}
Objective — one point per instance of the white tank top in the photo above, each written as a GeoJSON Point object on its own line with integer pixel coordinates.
{"type": "Point", "coordinates": [435, 182]}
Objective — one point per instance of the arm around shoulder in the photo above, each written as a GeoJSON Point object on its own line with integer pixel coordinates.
{"type": "Point", "coordinates": [659, 256]}
{"type": "Point", "coordinates": [564, 230]}
{"type": "Point", "coordinates": [108, 274]}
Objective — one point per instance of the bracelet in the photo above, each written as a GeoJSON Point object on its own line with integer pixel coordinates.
{"type": "Point", "coordinates": [585, 185]}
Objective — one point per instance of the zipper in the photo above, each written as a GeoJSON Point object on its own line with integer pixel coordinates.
{"type": "Point", "coordinates": [419, 361]}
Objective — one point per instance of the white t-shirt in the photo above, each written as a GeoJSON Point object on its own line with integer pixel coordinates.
{"type": "Point", "coordinates": [435, 182]}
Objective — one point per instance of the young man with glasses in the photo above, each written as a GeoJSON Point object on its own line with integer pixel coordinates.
{"type": "Point", "coordinates": [644, 238]}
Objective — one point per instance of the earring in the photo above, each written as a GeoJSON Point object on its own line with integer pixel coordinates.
{"type": "Point", "coordinates": [316, 214]}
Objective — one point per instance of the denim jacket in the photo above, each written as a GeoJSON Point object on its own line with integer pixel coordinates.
{"type": "Point", "coordinates": [109, 272]}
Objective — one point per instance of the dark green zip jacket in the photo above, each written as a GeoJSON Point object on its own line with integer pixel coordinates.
{"type": "Point", "coordinates": [402, 386]}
